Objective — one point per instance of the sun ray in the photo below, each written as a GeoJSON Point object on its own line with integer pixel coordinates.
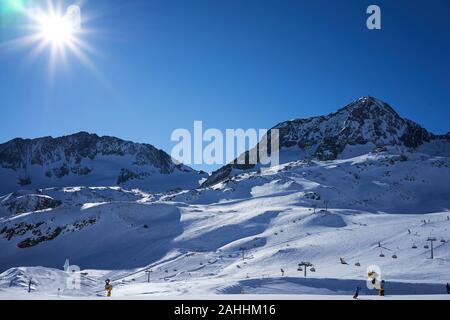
{"type": "Point", "coordinates": [20, 42]}
{"type": "Point", "coordinates": [76, 45]}
{"type": "Point", "coordinates": [57, 29]}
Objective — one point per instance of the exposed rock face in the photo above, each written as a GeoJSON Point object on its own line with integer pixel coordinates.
{"type": "Point", "coordinates": [29, 203]}
{"type": "Point", "coordinates": [82, 159]}
{"type": "Point", "coordinates": [71, 150]}
{"type": "Point", "coordinates": [366, 121]}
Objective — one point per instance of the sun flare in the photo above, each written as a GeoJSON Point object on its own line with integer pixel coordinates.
{"type": "Point", "coordinates": [56, 30]}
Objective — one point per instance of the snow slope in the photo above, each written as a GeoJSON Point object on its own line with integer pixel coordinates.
{"type": "Point", "coordinates": [193, 240]}
{"type": "Point", "coordinates": [100, 234]}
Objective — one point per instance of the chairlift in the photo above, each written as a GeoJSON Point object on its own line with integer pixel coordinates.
{"type": "Point", "coordinates": [299, 269]}
{"type": "Point", "coordinates": [426, 247]}
{"type": "Point", "coordinates": [443, 240]}
{"type": "Point", "coordinates": [358, 264]}
{"type": "Point", "coordinates": [414, 246]}
{"type": "Point", "coordinates": [312, 269]}
{"type": "Point", "coordinates": [382, 255]}
{"type": "Point", "coordinates": [394, 256]}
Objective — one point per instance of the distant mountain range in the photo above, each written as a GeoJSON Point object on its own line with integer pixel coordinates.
{"type": "Point", "coordinates": [90, 160]}
{"type": "Point", "coordinates": [84, 159]}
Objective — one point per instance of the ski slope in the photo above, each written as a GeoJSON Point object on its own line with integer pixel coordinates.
{"type": "Point", "coordinates": [234, 237]}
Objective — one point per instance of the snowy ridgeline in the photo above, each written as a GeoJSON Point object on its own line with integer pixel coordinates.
{"type": "Point", "coordinates": [84, 159]}
{"type": "Point", "coordinates": [237, 236]}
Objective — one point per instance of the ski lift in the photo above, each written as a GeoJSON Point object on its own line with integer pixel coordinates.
{"type": "Point", "coordinates": [443, 240]}
{"type": "Point", "coordinates": [414, 246]}
{"type": "Point", "coordinates": [382, 255]}
{"type": "Point", "coordinates": [426, 246]}
{"type": "Point", "coordinates": [358, 264]}
{"type": "Point", "coordinates": [299, 269]}
{"type": "Point", "coordinates": [394, 256]}
{"type": "Point", "coordinates": [312, 269]}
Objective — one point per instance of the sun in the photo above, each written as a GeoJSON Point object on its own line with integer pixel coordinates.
{"type": "Point", "coordinates": [56, 30]}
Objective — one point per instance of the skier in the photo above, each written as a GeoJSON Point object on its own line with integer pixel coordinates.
{"type": "Point", "coordinates": [381, 290]}
{"type": "Point", "coordinates": [108, 287]}
{"type": "Point", "coordinates": [448, 288]}
{"type": "Point", "coordinates": [355, 296]}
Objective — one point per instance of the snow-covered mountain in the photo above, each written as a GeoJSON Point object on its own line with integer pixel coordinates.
{"type": "Point", "coordinates": [365, 125]}
{"type": "Point", "coordinates": [356, 188]}
{"type": "Point", "coordinates": [89, 160]}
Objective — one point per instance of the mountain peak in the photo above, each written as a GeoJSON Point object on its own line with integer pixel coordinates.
{"type": "Point", "coordinates": [366, 121]}
{"type": "Point", "coordinates": [369, 107]}
{"type": "Point", "coordinates": [82, 134]}
{"type": "Point", "coordinates": [355, 129]}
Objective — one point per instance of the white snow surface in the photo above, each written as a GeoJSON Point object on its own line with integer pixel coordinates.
{"type": "Point", "coordinates": [232, 240]}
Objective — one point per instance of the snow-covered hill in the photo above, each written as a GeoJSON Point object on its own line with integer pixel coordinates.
{"type": "Point", "coordinates": [376, 202]}
{"type": "Point", "coordinates": [89, 160]}
{"type": "Point", "coordinates": [227, 246]}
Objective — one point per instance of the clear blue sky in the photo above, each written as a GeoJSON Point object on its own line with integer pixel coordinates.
{"type": "Point", "coordinates": [230, 63]}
